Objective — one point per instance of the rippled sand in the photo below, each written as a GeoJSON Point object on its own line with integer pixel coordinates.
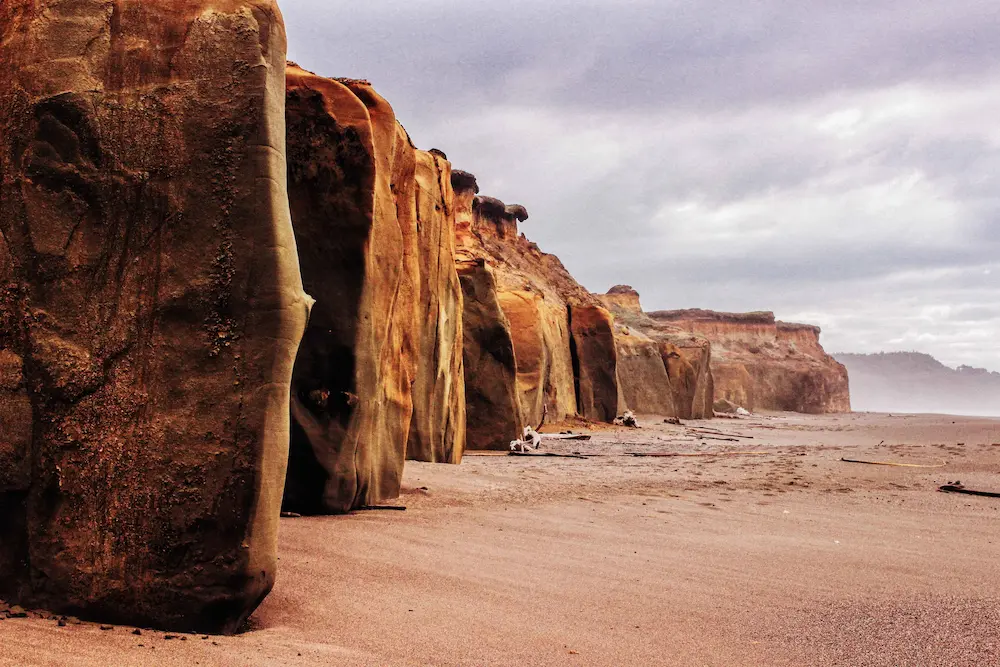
{"type": "Point", "coordinates": [785, 556]}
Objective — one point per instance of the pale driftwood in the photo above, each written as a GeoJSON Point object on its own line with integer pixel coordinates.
{"type": "Point", "coordinates": [530, 437]}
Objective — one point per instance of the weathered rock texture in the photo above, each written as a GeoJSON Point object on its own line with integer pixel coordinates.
{"type": "Point", "coordinates": [538, 299]}
{"type": "Point", "coordinates": [493, 411]}
{"type": "Point", "coordinates": [762, 364]}
{"type": "Point", "coordinates": [595, 362]}
{"type": "Point", "coordinates": [379, 377]}
{"type": "Point", "coordinates": [437, 433]}
{"type": "Point", "coordinates": [663, 369]}
{"type": "Point", "coordinates": [688, 359]}
{"type": "Point", "coordinates": [150, 307]}
{"type": "Point", "coordinates": [351, 175]}
{"type": "Point", "coordinates": [642, 375]}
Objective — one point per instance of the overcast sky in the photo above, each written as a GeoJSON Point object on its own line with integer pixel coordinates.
{"type": "Point", "coordinates": [835, 162]}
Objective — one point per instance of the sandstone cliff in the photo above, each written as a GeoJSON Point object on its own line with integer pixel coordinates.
{"type": "Point", "coordinates": [437, 433]}
{"type": "Point", "coordinates": [493, 409]}
{"type": "Point", "coordinates": [762, 364]}
{"type": "Point", "coordinates": [150, 307]}
{"type": "Point", "coordinates": [595, 362]}
{"type": "Point", "coordinates": [665, 369]}
{"type": "Point", "coordinates": [560, 336]}
{"type": "Point", "coordinates": [380, 367]}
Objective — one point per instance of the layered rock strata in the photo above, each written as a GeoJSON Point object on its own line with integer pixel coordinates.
{"type": "Point", "coordinates": [763, 364]}
{"type": "Point", "coordinates": [150, 307]}
{"type": "Point", "coordinates": [665, 369]}
{"type": "Point", "coordinates": [538, 299]}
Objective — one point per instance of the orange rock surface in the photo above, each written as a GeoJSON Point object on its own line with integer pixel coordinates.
{"type": "Point", "coordinates": [537, 297]}
{"type": "Point", "coordinates": [595, 362]}
{"type": "Point", "coordinates": [437, 432]}
{"type": "Point", "coordinates": [149, 282]}
{"type": "Point", "coordinates": [379, 374]}
{"type": "Point", "coordinates": [664, 369]}
{"type": "Point", "coordinates": [763, 364]}
{"type": "Point", "coordinates": [493, 407]}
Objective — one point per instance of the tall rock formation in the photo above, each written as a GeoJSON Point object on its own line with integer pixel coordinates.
{"type": "Point", "coordinates": [688, 359]}
{"type": "Point", "coordinates": [665, 369]}
{"type": "Point", "coordinates": [150, 307]}
{"type": "Point", "coordinates": [595, 362]}
{"type": "Point", "coordinates": [379, 375]}
{"type": "Point", "coordinates": [642, 375]}
{"type": "Point", "coordinates": [351, 390]}
{"type": "Point", "coordinates": [537, 298]}
{"type": "Point", "coordinates": [493, 409]}
{"type": "Point", "coordinates": [437, 434]}
{"type": "Point", "coordinates": [762, 364]}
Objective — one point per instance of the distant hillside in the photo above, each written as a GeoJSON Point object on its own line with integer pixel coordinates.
{"type": "Point", "coordinates": [916, 382]}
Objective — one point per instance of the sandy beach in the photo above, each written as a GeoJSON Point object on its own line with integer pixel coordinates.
{"type": "Point", "coordinates": [781, 555]}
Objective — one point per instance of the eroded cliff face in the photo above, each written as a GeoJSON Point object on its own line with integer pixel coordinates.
{"type": "Point", "coordinates": [379, 374]}
{"type": "Point", "coordinates": [663, 369]}
{"type": "Point", "coordinates": [762, 364]}
{"type": "Point", "coordinates": [437, 433]}
{"type": "Point", "coordinates": [642, 375]}
{"type": "Point", "coordinates": [688, 360]}
{"type": "Point", "coordinates": [493, 407]}
{"type": "Point", "coordinates": [595, 362]}
{"type": "Point", "coordinates": [552, 353]}
{"type": "Point", "coordinates": [541, 337]}
{"type": "Point", "coordinates": [150, 307]}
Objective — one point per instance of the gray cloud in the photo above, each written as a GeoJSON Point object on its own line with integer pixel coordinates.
{"type": "Point", "coordinates": [833, 162]}
{"type": "Point", "coordinates": [629, 55]}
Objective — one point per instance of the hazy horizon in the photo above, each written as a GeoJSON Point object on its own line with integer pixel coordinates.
{"type": "Point", "coordinates": [838, 165]}
{"type": "Point", "coordinates": [840, 353]}
{"type": "Point", "coordinates": [908, 382]}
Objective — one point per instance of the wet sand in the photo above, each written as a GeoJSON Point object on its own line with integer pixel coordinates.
{"type": "Point", "coordinates": [789, 557]}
